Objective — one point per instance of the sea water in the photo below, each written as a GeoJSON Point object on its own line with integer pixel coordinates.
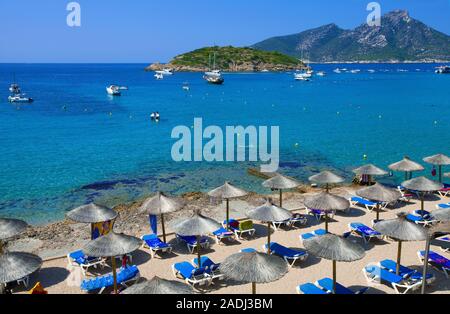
{"type": "Point", "coordinates": [75, 144]}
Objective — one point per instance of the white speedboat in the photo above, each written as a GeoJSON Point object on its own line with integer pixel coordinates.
{"type": "Point", "coordinates": [113, 90]}
{"type": "Point", "coordinates": [355, 71]}
{"type": "Point", "coordinates": [20, 98]}
{"type": "Point", "coordinates": [338, 71]}
{"type": "Point", "coordinates": [371, 71]}
{"type": "Point", "coordinates": [186, 86]}
{"type": "Point", "coordinates": [443, 69]}
{"type": "Point", "coordinates": [321, 73]}
{"type": "Point", "coordinates": [165, 72]}
{"type": "Point", "coordinates": [302, 77]}
{"type": "Point", "coordinates": [159, 76]}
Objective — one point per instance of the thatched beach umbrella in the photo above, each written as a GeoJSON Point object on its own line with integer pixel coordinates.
{"type": "Point", "coordinates": [161, 204]}
{"type": "Point", "coordinates": [227, 192]}
{"type": "Point", "coordinates": [10, 228]}
{"type": "Point", "coordinates": [442, 214]}
{"type": "Point", "coordinates": [407, 166]}
{"type": "Point", "coordinates": [401, 230]}
{"type": "Point", "coordinates": [269, 213]}
{"type": "Point", "coordinates": [334, 248]}
{"type": "Point", "coordinates": [379, 193]}
{"type": "Point", "coordinates": [253, 268]}
{"type": "Point", "coordinates": [17, 265]}
{"type": "Point", "coordinates": [91, 213]}
{"type": "Point", "coordinates": [326, 202]}
{"type": "Point", "coordinates": [197, 225]}
{"type": "Point", "coordinates": [280, 182]}
{"type": "Point", "coordinates": [112, 245]}
{"type": "Point", "coordinates": [438, 160]}
{"type": "Point", "coordinates": [370, 171]}
{"type": "Point", "coordinates": [422, 185]}
{"type": "Point", "coordinates": [159, 286]}
{"type": "Point", "coordinates": [327, 178]}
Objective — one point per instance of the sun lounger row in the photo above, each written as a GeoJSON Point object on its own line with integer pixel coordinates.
{"type": "Point", "coordinates": [325, 286]}
{"type": "Point", "coordinates": [385, 272]}
{"type": "Point", "coordinates": [124, 276]}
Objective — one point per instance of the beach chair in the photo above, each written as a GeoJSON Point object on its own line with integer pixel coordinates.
{"type": "Point", "coordinates": [310, 235]}
{"type": "Point", "coordinates": [289, 255]}
{"type": "Point", "coordinates": [443, 206]}
{"type": "Point", "coordinates": [190, 274]}
{"type": "Point", "coordinates": [223, 234]}
{"type": "Point", "coordinates": [405, 272]}
{"type": "Point", "coordinates": [423, 213]}
{"type": "Point", "coordinates": [419, 220]}
{"type": "Point", "coordinates": [444, 192]}
{"type": "Point", "coordinates": [155, 245]}
{"type": "Point", "coordinates": [327, 285]}
{"type": "Point", "coordinates": [370, 206]}
{"type": "Point", "coordinates": [405, 196]}
{"type": "Point", "coordinates": [437, 261]}
{"type": "Point", "coordinates": [211, 268]}
{"type": "Point", "coordinates": [365, 232]}
{"type": "Point", "coordinates": [241, 228]}
{"type": "Point", "coordinates": [447, 239]}
{"type": "Point", "coordinates": [319, 214]}
{"type": "Point", "coordinates": [375, 274]}
{"type": "Point", "coordinates": [79, 259]}
{"type": "Point", "coordinates": [309, 288]}
{"type": "Point", "coordinates": [298, 219]}
{"type": "Point", "coordinates": [248, 250]}
{"type": "Point", "coordinates": [124, 277]}
{"type": "Point", "coordinates": [191, 242]}
{"type": "Point", "coordinates": [278, 224]}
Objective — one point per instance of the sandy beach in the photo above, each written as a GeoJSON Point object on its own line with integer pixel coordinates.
{"type": "Point", "coordinates": [53, 242]}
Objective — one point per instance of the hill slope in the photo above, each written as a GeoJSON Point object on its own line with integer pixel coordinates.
{"type": "Point", "coordinates": [231, 59]}
{"type": "Point", "coordinates": [399, 38]}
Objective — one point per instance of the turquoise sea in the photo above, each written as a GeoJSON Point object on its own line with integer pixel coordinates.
{"type": "Point", "coordinates": [75, 144]}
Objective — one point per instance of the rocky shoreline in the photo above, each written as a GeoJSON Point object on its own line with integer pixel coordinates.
{"type": "Point", "coordinates": [243, 67]}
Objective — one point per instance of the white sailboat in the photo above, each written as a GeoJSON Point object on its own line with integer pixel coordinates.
{"type": "Point", "coordinates": [213, 76]}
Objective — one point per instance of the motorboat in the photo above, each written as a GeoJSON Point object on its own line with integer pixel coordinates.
{"type": "Point", "coordinates": [113, 90]}
{"type": "Point", "coordinates": [321, 73]}
{"type": "Point", "coordinates": [165, 72]}
{"type": "Point", "coordinates": [159, 76]}
{"type": "Point", "coordinates": [338, 71]}
{"type": "Point", "coordinates": [14, 88]}
{"type": "Point", "coordinates": [443, 69]}
{"type": "Point", "coordinates": [20, 98]}
{"type": "Point", "coordinates": [186, 86]}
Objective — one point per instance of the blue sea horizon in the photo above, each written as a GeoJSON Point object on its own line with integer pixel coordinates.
{"type": "Point", "coordinates": [75, 144]}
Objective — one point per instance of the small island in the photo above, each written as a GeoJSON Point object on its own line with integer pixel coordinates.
{"type": "Point", "coordinates": [231, 59]}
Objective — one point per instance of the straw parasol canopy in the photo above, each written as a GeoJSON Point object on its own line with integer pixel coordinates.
{"type": "Point", "coordinates": [196, 225]}
{"type": "Point", "coordinates": [92, 213]}
{"type": "Point", "coordinates": [269, 213]}
{"type": "Point", "coordinates": [327, 202]}
{"type": "Point", "coordinates": [280, 182]}
{"type": "Point", "coordinates": [159, 286]}
{"type": "Point", "coordinates": [401, 230]}
{"type": "Point", "coordinates": [438, 160]}
{"type": "Point", "coordinates": [10, 228]}
{"type": "Point", "coordinates": [112, 245]}
{"type": "Point", "coordinates": [442, 214]}
{"type": "Point", "coordinates": [17, 265]}
{"type": "Point", "coordinates": [379, 193]}
{"type": "Point", "coordinates": [406, 165]}
{"type": "Point", "coordinates": [326, 177]}
{"type": "Point", "coordinates": [227, 192]}
{"type": "Point", "coordinates": [423, 185]}
{"type": "Point", "coordinates": [161, 204]}
{"type": "Point", "coordinates": [334, 248]}
{"type": "Point", "coordinates": [370, 170]}
{"type": "Point", "coordinates": [253, 268]}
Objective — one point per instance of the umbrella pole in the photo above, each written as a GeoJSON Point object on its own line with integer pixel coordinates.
{"type": "Point", "coordinates": [378, 212]}
{"type": "Point", "coordinates": [253, 287]}
{"type": "Point", "coordinates": [198, 252]}
{"type": "Point", "coordinates": [425, 264]}
{"type": "Point", "coordinates": [113, 264]}
{"type": "Point", "coordinates": [422, 207]}
{"type": "Point", "coordinates": [399, 254]}
{"type": "Point", "coordinates": [281, 198]}
{"type": "Point", "coordinates": [440, 174]}
{"type": "Point", "coordinates": [327, 188]}
{"type": "Point", "coordinates": [406, 175]}
{"type": "Point", "coordinates": [326, 221]}
{"type": "Point", "coordinates": [228, 214]}
{"type": "Point", "coordinates": [1, 247]}
{"type": "Point", "coordinates": [334, 277]}
{"type": "Point", "coordinates": [163, 228]}
{"type": "Point", "coordinates": [268, 238]}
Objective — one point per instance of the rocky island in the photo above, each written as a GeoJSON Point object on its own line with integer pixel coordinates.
{"type": "Point", "coordinates": [231, 59]}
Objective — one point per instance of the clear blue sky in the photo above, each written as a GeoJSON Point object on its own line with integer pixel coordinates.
{"type": "Point", "coordinates": [155, 30]}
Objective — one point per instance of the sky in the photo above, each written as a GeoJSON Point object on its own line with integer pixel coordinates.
{"type": "Point", "coordinates": [144, 31]}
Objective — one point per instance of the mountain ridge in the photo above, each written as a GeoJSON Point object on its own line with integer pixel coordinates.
{"type": "Point", "coordinates": [400, 38]}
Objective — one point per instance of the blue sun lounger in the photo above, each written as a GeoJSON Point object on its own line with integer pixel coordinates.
{"type": "Point", "coordinates": [443, 206]}
{"type": "Point", "coordinates": [289, 255]}
{"type": "Point", "coordinates": [190, 274]}
{"type": "Point", "coordinates": [222, 234]}
{"type": "Point", "coordinates": [124, 276]}
{"type": "Point", "coordinates": [211, 267]}
{"type": "Point", "coordinates": [437, 261]}
{"type": "Point", "coordinates": [419, 220]}
{"type": "Point", "coordinates": [152, 242]}
{"type": "Point", "coordinates": [327, 284]}
{"type": "Point", "coordinates": [191, 242]}
{"type": "Point", "coordinates": [315, 233]}
{"type": "Point", "coordinates": [309, 288]}
{"type": "Point", "coordinates": [79, 259]}
{"type": "Point", "coordinates": [375, 274]}
{"type": "Point", "coordinates": [319, 214]}
{"type": "Point", "coordinates": [366, 203]}
{"type": "Point", "coordinates": [365, 232]}
{"type": "Point", "coordinates": [248, 250]}
{"type": "Point", "coordinates": [405, 272]}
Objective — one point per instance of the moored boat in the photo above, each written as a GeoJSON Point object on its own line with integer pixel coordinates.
{"type": "Point", "coordinates": [443, 69]}
{"type": "Point", "coordinates": [113, 90]}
